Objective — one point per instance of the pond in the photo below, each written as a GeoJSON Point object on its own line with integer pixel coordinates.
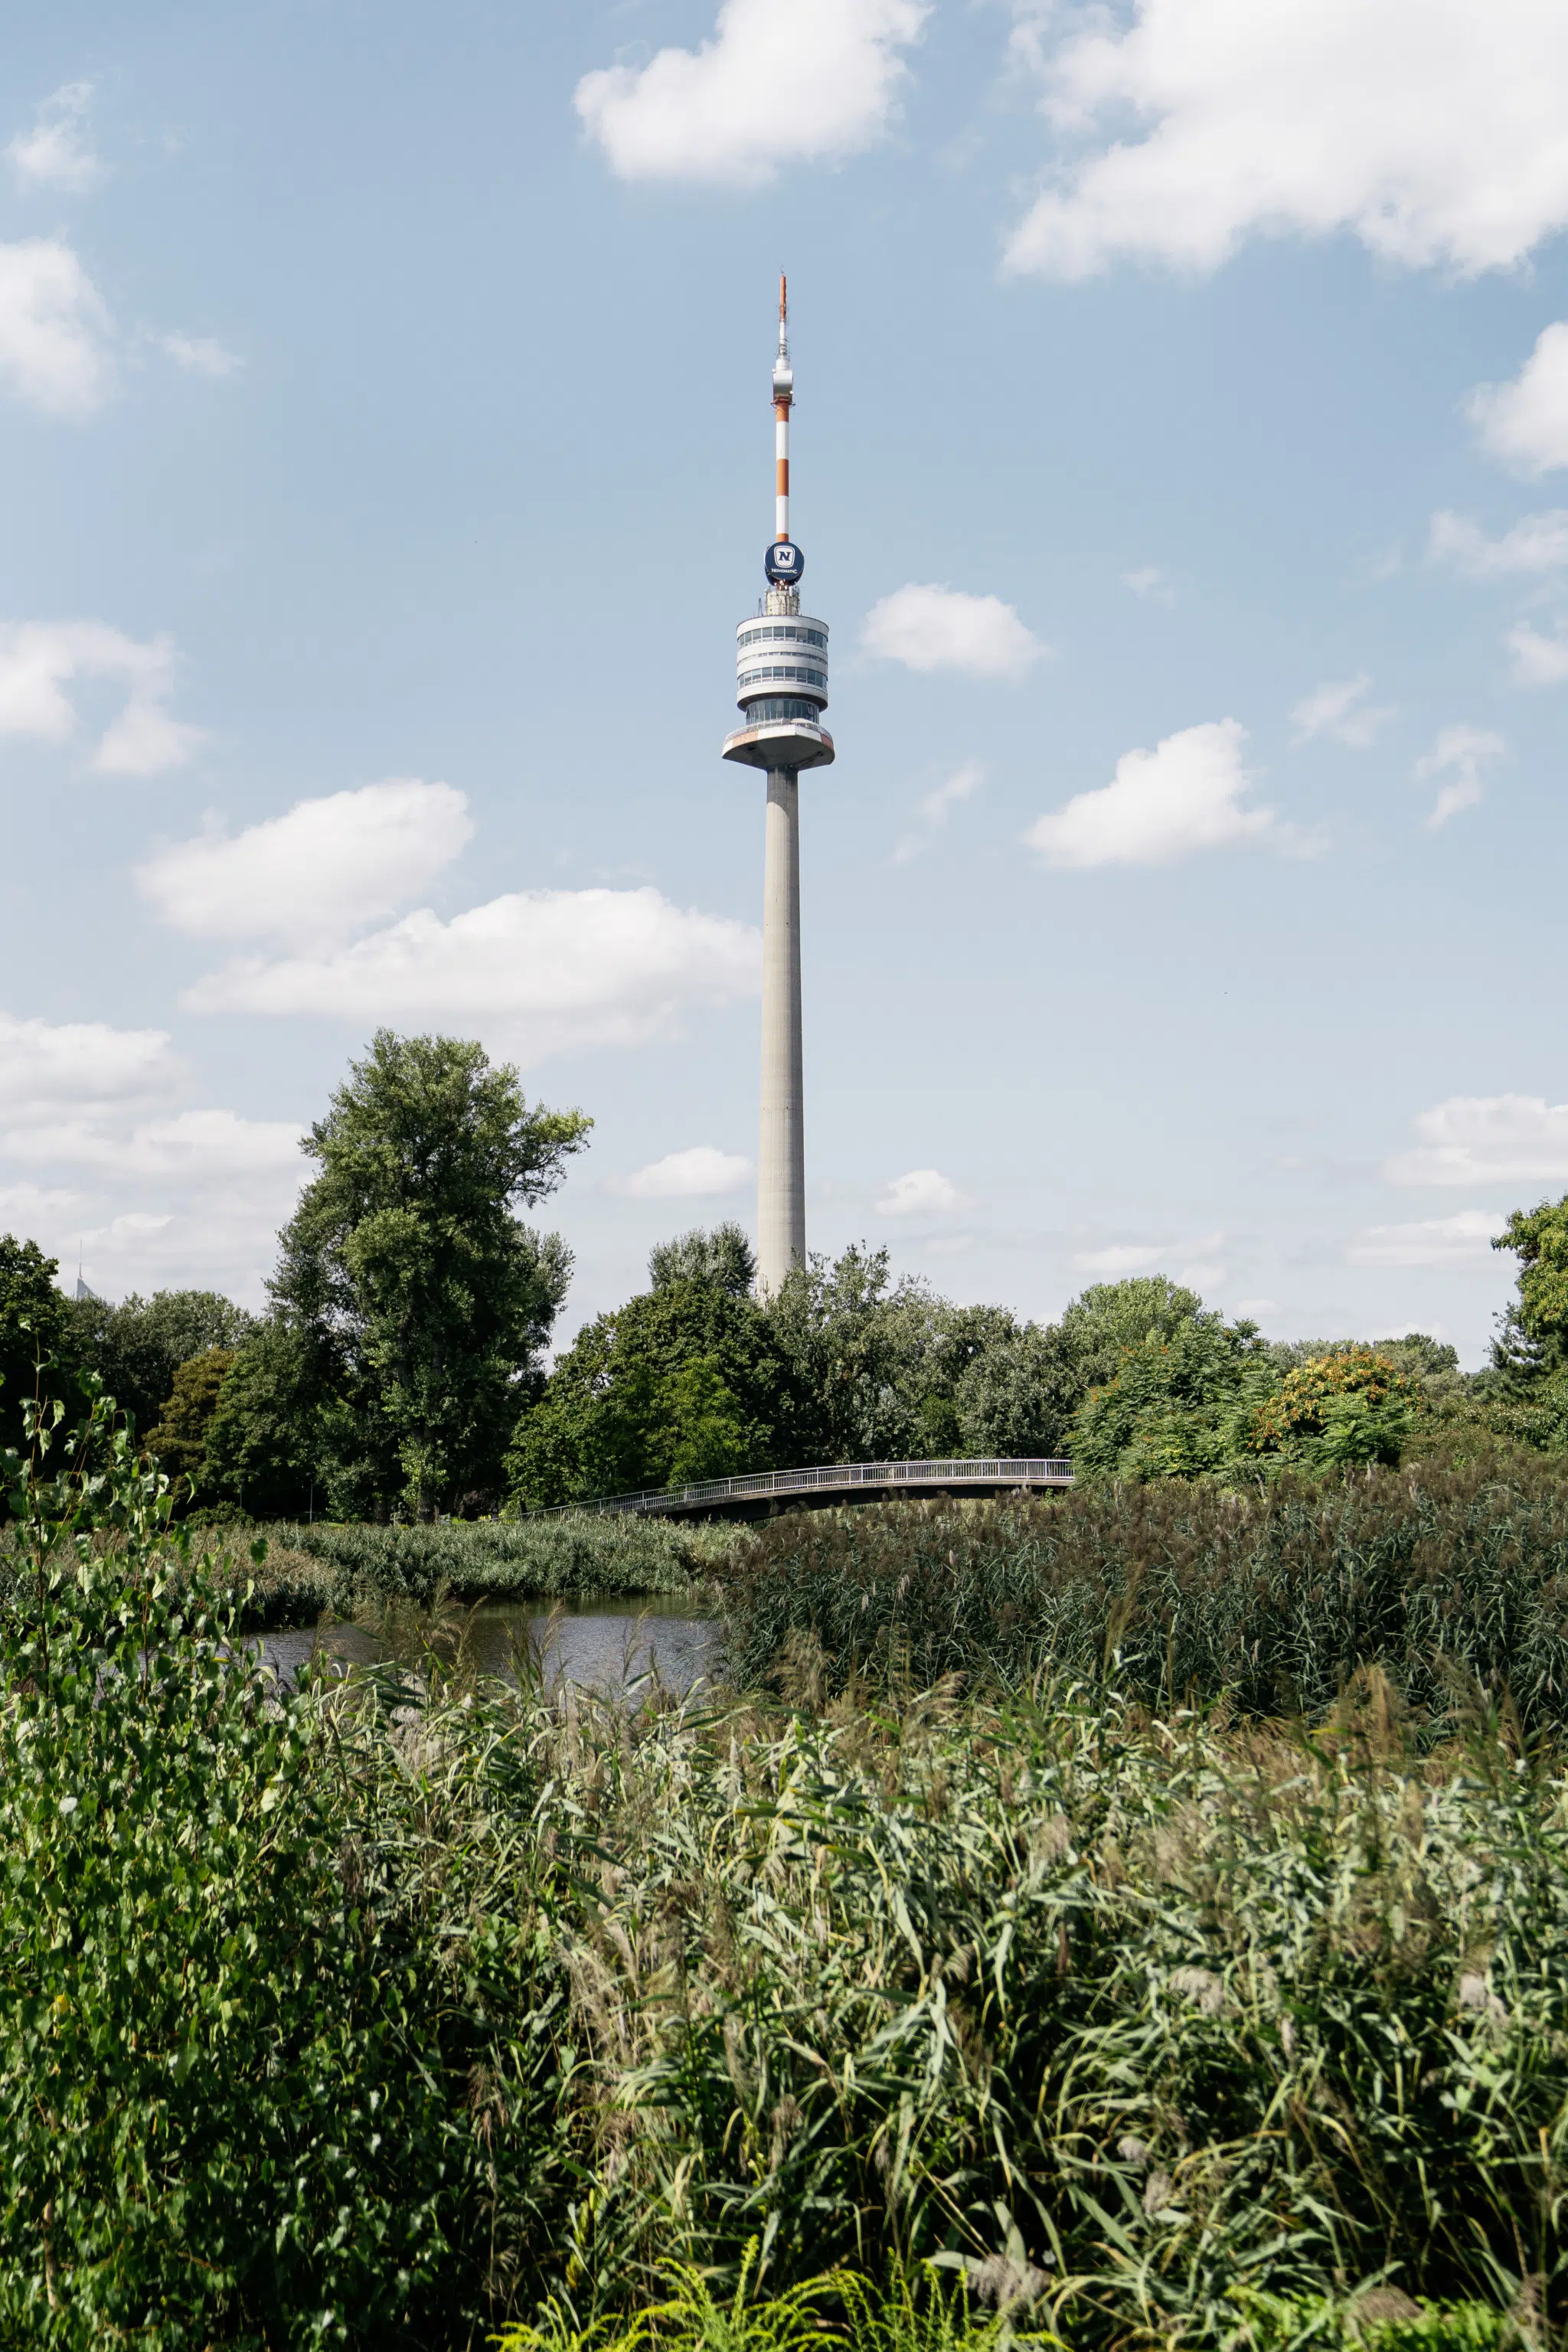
{"type": "Point", "coordinates": [602, 1640]}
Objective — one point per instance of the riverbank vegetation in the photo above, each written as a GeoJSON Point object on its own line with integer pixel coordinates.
{"type": "Point", "coordinates": [393, 2010]}
{"type": "Point", "coordinates": [400, 1371]}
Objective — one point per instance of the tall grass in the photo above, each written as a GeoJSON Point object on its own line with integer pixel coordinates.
{"type": "Point", "coordinates": [1167, 2015]}
{"type": "Point", "coordinates": [1448, 1576]}
{"type": "Point", "coordinates": [309, 1568]}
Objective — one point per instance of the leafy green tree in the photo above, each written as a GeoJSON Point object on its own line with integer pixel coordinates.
{"type": "Point", "coordinates": [1338, 1411]}
{"type": "Point", "coordinates": [879, 1366]}
{"type": "Point", "coordinates": [33, 1323]}
{"type": "Point", "coordinates": [263, 1445]}
{"type": "Point", "coordinates": [685, 1382]}
{"type": "Point", "coordinates": [1538, 1239]}
{"type": "Point", "coordinates": [423, 1297]}
{"type": "Point", "coordinates": [178, 1439]}
{"type": "Point", "coordinates": [1179, 1406]}
{"type": "Point", "coordinates": [137, 1347]}
{"type": "Point", "coordinates": [723, 1257]}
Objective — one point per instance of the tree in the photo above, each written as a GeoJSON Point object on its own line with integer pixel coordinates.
{"type": "Point", "coordinates": [1336, 1411]}
{"type": "Point", "coordinates": [137, 1347]}
{"type": "Point", "coordinates": [685, 1382]}
{"type": "Point", "coordinates": [32, 1325]}
{"type": "Point", "coordinates": [422, 1298]}
{"type": "Point", "coordinates": [178, 1440]}
{"type": "Point", "coordinates": [263, 1449]}
{"type": "Point", "coordinates": [723, 1257]}
{"type": "Point", "coordinates": [1178, 1406]}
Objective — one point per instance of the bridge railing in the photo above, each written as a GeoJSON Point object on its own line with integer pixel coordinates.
{"type": "Point", "coordinates": [841, 1478]}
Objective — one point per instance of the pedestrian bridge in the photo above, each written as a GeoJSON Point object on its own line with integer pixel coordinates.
{"type": "Point", "coordinates": [766, 1491]}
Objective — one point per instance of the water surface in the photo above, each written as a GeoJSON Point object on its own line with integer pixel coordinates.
{"type": "Point", "coordinates": [604, 1641]}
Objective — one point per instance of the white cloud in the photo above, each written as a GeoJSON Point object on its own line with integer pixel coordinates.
{"type": "Point", "coordinates": [1194, 1261]}
{"type": "Point", "coordinates": [1429, 129]}
{"type": "Point", "coordinates": [1525, 423]}
{"type": "Point", "coordinates": [1149, 582]}
{"type": "Point", "coordinates": [938, 806]}
{"type": "Point", "coordinates": [324, 870]}
{"type": "Point", "coordinates": [196, 1145]}
{"type": "Point", "coordinates": [39, 658]}
{"type": "Point", "coordinates": [1539, 543]}
{"type": "Point", "coordinates": [1461, 752]}
{"type": "Point", "coordinates": [53, 325]}
{"type": "Point", "coordinates": [51, 1068]}
{"type": "Point", "coordinates": [777, 84]}
{"type": "Point", "coordinates": [151, 1194]}
{"type": "Point", "coordinates": [1183, 796]}
{"type": "Point", "coordinates": [1255, 1309]}
{"type": "Point", "coordinates": [548, 968]}
{"type": "Point", "coordinates": [700, 1172]}
{"type": "Point", "coordinates": [200, 354]}
{"type": "Point", "coordinates": [1433, 1241]}
{"type": "Point", "coordinates": [922, 1193]}
{"type": "Point", "coordinates": [1487, 1139]}
{"type": "Point", "coordinates": [1339, 707]}
{"type": "Point", "coordinates": [935, 627]}
{"type": "Point", "coordinates": [1538, 661]}
{"type": "Point", "coordinates": [55, 154]}
{"type": "Point", "coordinates": [1114, 1264]}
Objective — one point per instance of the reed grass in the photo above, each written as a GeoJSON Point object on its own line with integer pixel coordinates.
{"type": "Point", "coordinates": [1167, 2017]}
{"type": "Point", "coordinates": [1449, 1576]}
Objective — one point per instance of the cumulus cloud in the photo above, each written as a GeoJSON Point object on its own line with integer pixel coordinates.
{"type": "Point", "coordinates": [700, 1172]}
{"type": "Point", "coordinates": [931, 628]}
{"type": "Point", "coordinates": [1538, 544]}
{"type": "Point", "coordinates": [804, 82]}
{"type": "Point", "coordinates": [1431, 129]}
{"type": "Point", "coordinates": [1487, 1139]}
{"type": "Point", "coordinates": [1340, 709]}
{"type": "Point", "coordinates": [1149, 582]}
{"type": "Point", "coordinates": [1194, 1261]}
{"type": "Point", "coordinates": [106, 1161]}
{"type": "Point", "coordinates": [938, 806]}
{"type": "Point", "coordinates": [1431, 1241]}
{"type": "Point", "coordinates": [38, 659]}
{"type": "Point", "coordinates": [195, 1145]}
{"type": "Point", "coordinates": [1186, 794]}
{"type": "Point", "coordinates": [200, 354]}
{"type": "Point", "coordinates": [922, 1193]}
{"type": "Point", "coordinates": [1538, 659]}
{"type": "Point", "coordinates": [1121, 1259]}
{"type": "Point", "coordinates": [1461, 754]}
{"type": "Point", "coordinates": [1525, 423]}
{"type": "Point", "coordinates": [548, 968]}
{"type": "Point", "coordinates": [55, 154]}
{"type": "Point", "coordinates": [54, 352]}
{"type": "Point", "coordinates": [85, 1068]}
{"type": "Point", "coordinates": [325, 869]}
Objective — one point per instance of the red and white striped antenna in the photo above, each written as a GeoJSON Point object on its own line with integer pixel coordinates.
{"type": "Point", "coordinates": [784, 397]}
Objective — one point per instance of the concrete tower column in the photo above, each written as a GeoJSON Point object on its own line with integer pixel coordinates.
{"type": "Point", "coordinates": [780, 1155]}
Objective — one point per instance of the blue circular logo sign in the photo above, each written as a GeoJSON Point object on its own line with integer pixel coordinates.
{"type": "Point", "coordinates": [784, 561]}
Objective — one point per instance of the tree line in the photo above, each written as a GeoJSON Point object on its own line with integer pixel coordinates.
{"type": "Point", "coordinates": [399, 1369]}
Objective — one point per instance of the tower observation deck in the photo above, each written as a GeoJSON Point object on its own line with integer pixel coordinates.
{"type": "Point", "coordinates": [781, 686]}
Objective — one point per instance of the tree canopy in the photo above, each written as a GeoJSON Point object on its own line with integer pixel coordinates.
{"type": "Point", "coordinates": [422, 1298]}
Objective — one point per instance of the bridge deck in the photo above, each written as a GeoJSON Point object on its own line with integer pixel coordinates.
{"type": "Point", "coordinates": [837, 1482]}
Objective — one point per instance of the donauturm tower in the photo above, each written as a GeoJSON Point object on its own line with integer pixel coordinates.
{"type": "Point", "coordinates": [781, 668]}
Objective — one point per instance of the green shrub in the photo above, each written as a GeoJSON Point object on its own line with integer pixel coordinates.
{"type": "Point", "coordinates": [211, 2054]}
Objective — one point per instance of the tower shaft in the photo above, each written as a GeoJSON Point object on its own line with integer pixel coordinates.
{"type": "Point", "coordinates": [780, 1155]}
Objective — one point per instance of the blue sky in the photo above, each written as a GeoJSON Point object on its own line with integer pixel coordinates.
{"type": "Point", "coordinates": [1182, 422]}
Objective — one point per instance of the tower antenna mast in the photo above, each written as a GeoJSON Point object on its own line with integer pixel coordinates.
{"type": "Point", "coordinates": [780, 664]}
